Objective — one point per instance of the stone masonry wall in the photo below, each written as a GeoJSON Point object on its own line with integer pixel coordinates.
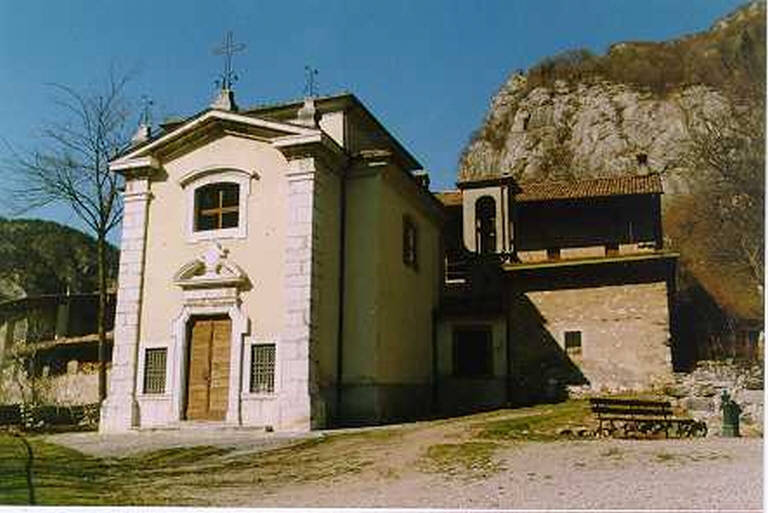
{"type": "Point", "coordinates": [624, 337]}
{"type": "Point", "coordinates": [698, 393]}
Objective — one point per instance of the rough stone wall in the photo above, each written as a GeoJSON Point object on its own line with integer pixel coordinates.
{"type": "Point", "coordinates": [698, 393]}
{"type": "Point", "coordinates": [625, 337]}
{"type": "Point", "coordinates": [74, 388]}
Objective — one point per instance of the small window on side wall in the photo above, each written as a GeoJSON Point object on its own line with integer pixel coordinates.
{"type": "Point", "coordinates": [410, 243]}
{"type": "Point", "coordinates": [154, 370]}
{"type": "Point", "coordinates": [217, 206]}
{"type": "Point", "coordinates": [573, 342]}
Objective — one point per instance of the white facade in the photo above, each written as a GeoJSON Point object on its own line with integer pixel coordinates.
{"type": "Point", "coordinates": [273, 272]}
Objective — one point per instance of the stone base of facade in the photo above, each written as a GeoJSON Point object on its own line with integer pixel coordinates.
{"type": "Point", "coordinates": [118, 415]}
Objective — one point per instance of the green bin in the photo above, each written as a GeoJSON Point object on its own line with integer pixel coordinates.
{"type": "Point", "coordinates": [731, 412]}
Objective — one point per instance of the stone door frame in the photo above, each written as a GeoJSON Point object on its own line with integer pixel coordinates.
{"type": "Point", "coordinates": [180, 343]}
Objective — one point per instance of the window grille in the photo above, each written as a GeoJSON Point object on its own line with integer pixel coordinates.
{"type": "Point", "coordinates": [154, 370]}
{"type": "Point", "coordinates": [573, 342]}
{"type": "Point", "coordinates": [263, 368]}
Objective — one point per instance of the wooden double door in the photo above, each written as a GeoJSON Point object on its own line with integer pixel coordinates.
{"type": "Point", "coordinates": [208, 368]}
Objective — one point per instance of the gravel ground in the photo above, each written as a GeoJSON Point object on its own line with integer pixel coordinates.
{"type": "Point", "coordinates": [705, 474]}
{"type": "Point", "coordinates": [695, 474]}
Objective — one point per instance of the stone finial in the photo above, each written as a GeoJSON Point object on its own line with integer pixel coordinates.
{"type": "Point", "coordinates": [422, 178]}
{"type": "Point", "coordinates": [225, 100]}
{"type": "Point", "coordinates": [308, 113]}
{"type": "Point", "coordinates": [143, 133]}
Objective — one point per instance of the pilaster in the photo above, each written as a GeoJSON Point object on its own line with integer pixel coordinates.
{"type": "Point", "coordinates": [299, 334]}
{"type": "Point", "coordinates": [119, 411]}
{"type": "Point", "coordinates": [310, 161]}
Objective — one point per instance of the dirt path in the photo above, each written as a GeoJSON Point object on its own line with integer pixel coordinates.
{"type": "Point", "coordinates": [455, 464]}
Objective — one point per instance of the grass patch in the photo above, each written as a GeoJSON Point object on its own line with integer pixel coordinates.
{"type": "Point", "coordinates": [540, 423]}
{"type": "Point", "coordinates": [665, 457]}
{"type": "Point", "coordinates": [60, 475]}
{"type": "Point", "coordinates": [475, 457]}
{"type": "Point", "coordinates": [176, 456]}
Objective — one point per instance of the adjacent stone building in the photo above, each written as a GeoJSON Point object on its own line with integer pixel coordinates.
{"type": "Point", "coordinates": [50, 341]}
{"type": "Point", "coordinates": [554, 285]}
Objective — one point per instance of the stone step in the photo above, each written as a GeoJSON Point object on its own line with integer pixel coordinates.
{"type": "Point", "coordinates": [205, 426]}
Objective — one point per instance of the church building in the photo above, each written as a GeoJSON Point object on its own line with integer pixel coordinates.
{"type": "Point", "coordinates": [287, 267]}
{"type": "Point", "coordinates": [279, 267]}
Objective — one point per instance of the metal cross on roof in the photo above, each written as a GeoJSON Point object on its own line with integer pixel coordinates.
{"type": "Point", "coordinates": [146, 114]}
{"type": "Point", "coordinates": [228, 49]}
{"type": "Point", "coordinates": [310, 88]}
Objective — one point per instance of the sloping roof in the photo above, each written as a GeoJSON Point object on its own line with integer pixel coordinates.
{"type": "Point", "coordinates": [449, 198]}
{"type": "Point", "coordinates": [595, 188]}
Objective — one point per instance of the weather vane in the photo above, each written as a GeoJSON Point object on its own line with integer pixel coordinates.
{"type": "Point", "coordinates": [228, 49]}
{"type": "Point", "coordinates": [310, 88]}
{"type": "Point", "coordinates": [146, 114]}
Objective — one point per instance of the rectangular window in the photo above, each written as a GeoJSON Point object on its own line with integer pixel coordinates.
{"type": "Point", "coordinates": [410, 243]}
{"type": "Point", "coordinates": [154, 370]}
{"type": "Point", "coordinates": [217, 206]}
{"type": "Point", "coordinates": [262, 368]}
{"type": "Point", "coordinates": [573, 342]}
{"type": "Point", "coordinates": [553, 253]}
{"type": "Point", "coordinates": [472, 352]}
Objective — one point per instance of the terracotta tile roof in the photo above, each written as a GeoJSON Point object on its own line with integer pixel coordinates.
{"type": "Point", "coordinates": [449, 198]}
{"type": "Point", "coordinates": [595, 188]}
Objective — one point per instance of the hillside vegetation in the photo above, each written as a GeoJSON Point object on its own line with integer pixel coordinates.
{"type": "Point", "coordinates": [731, 53]}
{"type": "Point", "coordinates": [43, 257]}
{"type": "Point", "coordinates": [691, 109]}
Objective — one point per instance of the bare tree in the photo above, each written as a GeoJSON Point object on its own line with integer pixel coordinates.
{"type": "Point", "coordinates": [727, 153]}
{"type": "Point", "coordinates": [71, 166]}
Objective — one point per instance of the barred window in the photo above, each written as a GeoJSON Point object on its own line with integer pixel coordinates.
{"type": "Point", "coordinates": [154, 370]}
{"type": "Point", "coordinates": [263, 368]}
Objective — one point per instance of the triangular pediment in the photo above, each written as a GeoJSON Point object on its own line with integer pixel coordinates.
{"type": "Point", "coordinates": [211, 125]}
{"type": "Point", "coordinates": [212, 269]}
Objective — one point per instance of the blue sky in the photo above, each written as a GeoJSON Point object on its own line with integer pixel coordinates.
{"type": "Point", "coordinates": [427, 69]}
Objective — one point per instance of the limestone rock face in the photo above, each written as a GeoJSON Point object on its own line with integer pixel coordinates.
{"type": "Point", "coordinates": [585, 130]}
{"type": "Point", "coordinates": [580, 115]}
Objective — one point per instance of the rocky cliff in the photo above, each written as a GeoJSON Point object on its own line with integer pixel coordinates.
{"type": "Point", "coordinates": [628, 111]}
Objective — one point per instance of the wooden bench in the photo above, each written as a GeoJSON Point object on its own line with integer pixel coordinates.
{"type": "Point", "coordinates": [634, 417]}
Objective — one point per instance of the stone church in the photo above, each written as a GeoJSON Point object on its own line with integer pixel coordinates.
{"type": "Point", "coordinates": [288, 267]}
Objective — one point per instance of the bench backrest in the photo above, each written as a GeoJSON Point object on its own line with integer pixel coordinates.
{"type": "Point", "coordinates": [630, 407]}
